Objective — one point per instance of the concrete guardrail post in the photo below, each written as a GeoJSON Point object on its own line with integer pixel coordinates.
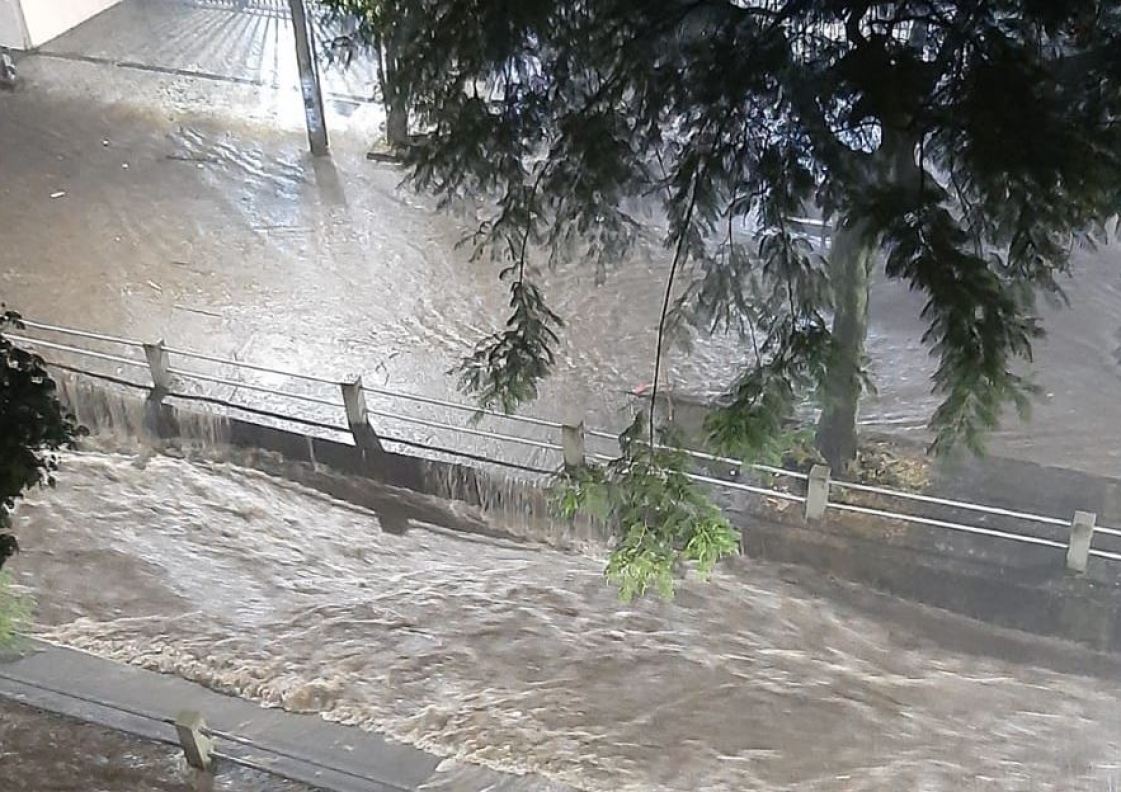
{"type": "Point", "coordinates": [357, 417]}
{"type": "Point", "coordinates": [196, 746]}
{"type": "Point", "coordinates": [817, 492]}
{"type": "Point", "coordinates": [158, 365]}
{"type": "Point", "coordinates": [1081, 535]}
{"type": "Point", "coordinates": [572, 439]}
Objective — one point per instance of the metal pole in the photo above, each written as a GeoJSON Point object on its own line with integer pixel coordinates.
{"type": "Point", "coordinates": [309, 79]}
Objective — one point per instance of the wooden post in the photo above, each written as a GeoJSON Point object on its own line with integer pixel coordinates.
{"type": "Point", "coordinates": [357, 417]}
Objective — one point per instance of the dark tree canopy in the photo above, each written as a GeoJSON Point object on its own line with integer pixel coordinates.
{"type": "Point", "coordinates": [33, 427]}
{"type": "Point", "coordinates": [972, 142]}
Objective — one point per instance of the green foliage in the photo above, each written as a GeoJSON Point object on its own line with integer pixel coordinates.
{"type": "Point", "coordinates": [362, 23]}
{"type": "Point", "coordinates": [376, 27]}
{"type": "Point", "coordinates": [767, 392]}
{"type": "Point", "coordinates": [33, 427]}
{"type": "Point", "coordinates": [660, 519]}
{"type": "Point", "coordinates": [15, 612]}
{"type": "Point", "coordinates": [504, 369]}
{"type": "Point", "coordinates": [976, 142]}
{"type": "Point", "coordinates": [792, 449]}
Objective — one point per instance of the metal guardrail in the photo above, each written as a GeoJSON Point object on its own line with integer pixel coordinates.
{"type": "Point", "coordinates": [350, 400]}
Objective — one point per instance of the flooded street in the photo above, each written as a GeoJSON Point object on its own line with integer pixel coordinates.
{"type": "Point", "coordinates": [165, 192]}
{"type": "Point", "coordinates": [144, 201]}
{"type": "Point", "coordinates": [521, 657]}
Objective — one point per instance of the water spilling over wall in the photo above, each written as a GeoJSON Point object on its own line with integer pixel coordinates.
{"type": "Point", "coordinates": [127, 419]}
{"type": "Point", "coordinates": [124, 419]}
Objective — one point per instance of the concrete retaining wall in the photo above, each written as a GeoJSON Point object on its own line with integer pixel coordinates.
{"type": "Point", "coordinates": [1037, 597]}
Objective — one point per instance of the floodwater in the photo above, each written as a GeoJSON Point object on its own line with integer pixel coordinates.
{"type": "Point", "coordinates": [520, 657]}
{"type": "Point", "coordinates": [153, 203]}
{"type": "Point", "coordinates": [170, 196]}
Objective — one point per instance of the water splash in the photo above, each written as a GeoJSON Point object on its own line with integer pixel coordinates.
{"type": "Point", "coordinates": [516, 507]}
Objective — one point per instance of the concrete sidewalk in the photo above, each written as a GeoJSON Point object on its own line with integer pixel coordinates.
{"type": "Point", "coordinates": [303, 748]}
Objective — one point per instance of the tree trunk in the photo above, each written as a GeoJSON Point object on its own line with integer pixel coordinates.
{"type": "Point", "coordinates": [393, 95]}
{"type": "Point", "coordinates": [850, 261]}
{"type": "Point", "coordinates": [397, 123]}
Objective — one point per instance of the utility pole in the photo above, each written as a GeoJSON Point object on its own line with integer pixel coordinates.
{"type": "Point", "coordinates": [309, 79]}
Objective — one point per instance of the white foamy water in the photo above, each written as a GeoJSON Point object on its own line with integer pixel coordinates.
{"type": "Point", "coordinates": [520, 657]}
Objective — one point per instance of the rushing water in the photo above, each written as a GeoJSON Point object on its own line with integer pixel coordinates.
{"type": "Point", "coordinates": [515, 655]}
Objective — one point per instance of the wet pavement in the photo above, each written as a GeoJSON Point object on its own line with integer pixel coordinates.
{"type": "Point", "coordinates": [305, 748]}
{"type": "Point", "coordinates": [242, 41]}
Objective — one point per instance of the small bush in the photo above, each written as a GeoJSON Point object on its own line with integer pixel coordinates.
{"type": "Point", "coordinates": [15, 612]}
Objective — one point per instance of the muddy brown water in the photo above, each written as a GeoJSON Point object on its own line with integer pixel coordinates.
{"type": "Point", "coordinates": [519, 656]}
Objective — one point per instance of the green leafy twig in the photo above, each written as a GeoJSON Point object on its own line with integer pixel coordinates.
{"type": "Point", "coordinates": [660, 520]}
{"type": "Point", "coordinates": [505, 368]}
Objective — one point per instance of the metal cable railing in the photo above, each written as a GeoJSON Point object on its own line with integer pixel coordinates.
{"type": "Point", "coordinates": [417, 398]}
{"type": "Point", "coordinates": [737, 463]}
{"type": "Point", "coordinates": [250, 386]}
{"type": "Point", "coordinates": [769, 469]}
{"type": "Point", "coordinates": [83, 334]}
{"type": "Point", "coordinates": [504, 438]}
{"type": "Point", "coordinates": [973, 529]}
{"type": "Point", "coordinates": [249, 366]}
{"type": "Point", "coordinates": [528, 441]}
{"type": "Point", "coordinates": [739, 485]}
{"type": "Point", "coordinates": [257, 411]}
{"type": "Point", "coordinates": [466, 408]}
{"type": "Point", "coordinates": [956, 504]}
{"type": "Point", "coordinates": [733, 485]}
{"type": "Point", "coordinates": [38, 342]}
